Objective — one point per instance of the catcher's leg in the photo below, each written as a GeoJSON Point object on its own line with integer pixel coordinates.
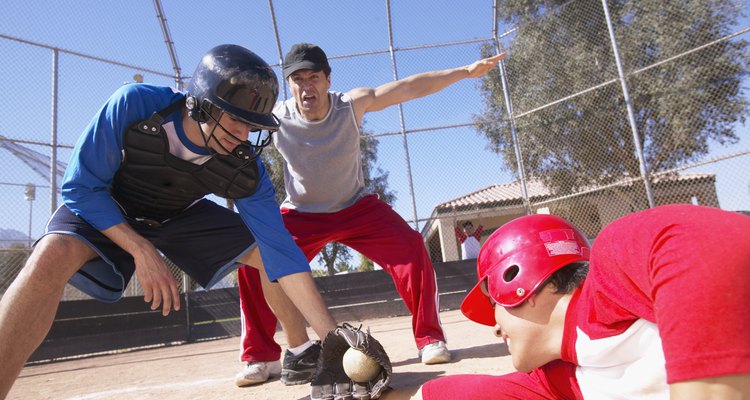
{"type": "Point", "coordinates": [258, 345]}
{"type": "Point", "coordinates": [36, 291]}
{"type": "Point", "coordinates": [297, 368]}
{"type": "Point", "coordinates": [292, 321]}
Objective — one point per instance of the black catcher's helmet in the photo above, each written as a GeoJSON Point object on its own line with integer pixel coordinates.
{"type": "Point", "coordinates": [236, 81]}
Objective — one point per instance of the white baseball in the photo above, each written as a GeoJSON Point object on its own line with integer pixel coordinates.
{"type": "Point", "coordinates": [359, 367]}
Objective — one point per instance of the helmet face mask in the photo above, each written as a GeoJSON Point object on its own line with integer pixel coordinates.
{"type": "Point", "coordinates": [517, 258]}
{"type": "Point", "coordinates": [232, 80]}
{"type": "Point", "coordinates": [257, 137]}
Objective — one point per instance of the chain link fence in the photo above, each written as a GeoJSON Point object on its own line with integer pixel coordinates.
{"type": "Point", "coordinates": [601, 108]}
{"type": "Point", "coordinates": [606, 108]}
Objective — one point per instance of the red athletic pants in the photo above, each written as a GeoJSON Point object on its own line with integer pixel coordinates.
{"type": "Point", "coordinates": [370, 227]}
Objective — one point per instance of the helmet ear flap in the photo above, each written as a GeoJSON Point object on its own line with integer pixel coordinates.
{"type": "Point", "coordinates": [194, 110]}
{"type": "Point", "coordinates": [198, 110]}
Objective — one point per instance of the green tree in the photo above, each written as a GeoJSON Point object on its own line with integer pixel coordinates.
{"type": "Point", "coordinates": [335, 256]}
{"type": "Point", "coordinates": [319, 273]}
{"type": "Point", "coordinates": [561, 47]}
{"type": "Point", "coordinates": [365, 264]}
{"type": "Point", "coordinates": [274, 164]}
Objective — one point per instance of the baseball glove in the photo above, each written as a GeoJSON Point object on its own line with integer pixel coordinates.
{"type": "Point", "coordinates": [329, 382]}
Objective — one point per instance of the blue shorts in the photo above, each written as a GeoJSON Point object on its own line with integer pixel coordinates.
{"type": "Point", "coordinates": [204, 241]}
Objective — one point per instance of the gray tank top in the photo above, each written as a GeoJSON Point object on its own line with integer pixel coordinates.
{"type": "Point", "coordinates": [323, 170]}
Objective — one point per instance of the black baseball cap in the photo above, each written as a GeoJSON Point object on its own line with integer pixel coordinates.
{"type": "Point", "coordinates": [305, 56]}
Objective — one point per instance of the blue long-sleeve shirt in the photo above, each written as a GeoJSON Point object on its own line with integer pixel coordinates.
{"type": "Point", "coordinates": [98, 154]}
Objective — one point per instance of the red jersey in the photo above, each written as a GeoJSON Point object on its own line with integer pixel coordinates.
{"type": "Point", "coordinates": [665, 301]}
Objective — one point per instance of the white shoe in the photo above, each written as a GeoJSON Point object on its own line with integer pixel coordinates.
{"type": "Point", "coordinates": [257, 372]}
{"type": "Point", "coordinates": [435, 353]}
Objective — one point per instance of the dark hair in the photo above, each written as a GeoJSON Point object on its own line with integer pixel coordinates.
{"type": "Point", "coordinates": [568, 278]}
{"type": "Point", "coordinates": [467, 223]}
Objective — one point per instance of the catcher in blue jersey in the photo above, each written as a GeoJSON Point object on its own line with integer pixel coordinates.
{"type": "Point", "coordinates": [134, 191]}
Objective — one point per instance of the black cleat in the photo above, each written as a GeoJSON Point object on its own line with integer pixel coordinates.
{"type": "Point", "coordinates": [298, 370]}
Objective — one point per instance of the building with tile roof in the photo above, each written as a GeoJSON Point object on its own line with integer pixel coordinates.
{"type": "Point", "coordinates": [590, 208]}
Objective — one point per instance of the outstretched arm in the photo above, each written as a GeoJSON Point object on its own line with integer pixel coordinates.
{"type": "Point", "coordinates": [282, 260]}
{"type": "Point", "coordinates": [303, 292]}
{"type": "Point", "coordinates": [416, 86]}
{"type": "Point", "coordinates": [460, 235]}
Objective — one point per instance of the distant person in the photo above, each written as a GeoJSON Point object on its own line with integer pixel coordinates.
{"type": "Point", "coordinates": [319, 138]}
{"type": "Point", "coordinates": [657, 309]}
{"type": "Point", "coordinates": [470, 239]}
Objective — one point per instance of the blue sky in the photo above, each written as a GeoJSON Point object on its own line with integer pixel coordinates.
{"type": "Point", "coordinates": [445, 164]}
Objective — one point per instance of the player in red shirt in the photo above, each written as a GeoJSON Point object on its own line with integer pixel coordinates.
{"type": "Point", "coordinates": [659, 311]}
{"type": "Point", "coordinates": [469, 239]}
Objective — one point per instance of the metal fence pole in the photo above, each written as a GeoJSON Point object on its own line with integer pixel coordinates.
{"type": "Point", "coordinates": [186, 290]}
{"type": "Point", "coordinates": [511, 118]}
{"type": "Point", "coordinates": [170, 44]}
{"type": "Point", "coordinates": [178, 85]}
{"type": "Point", "coordinates": [401, 119]}
{"type": "Point", "coordinates": [30, 196]}
{"type": "Point", "coordinates": [53, 135]}
{"type": "Point", "coordinates": [278, 47]}
{"type": "Point", "coordinates": [516, 144]}
{"type": "Point", "coordinates": [629, 106]}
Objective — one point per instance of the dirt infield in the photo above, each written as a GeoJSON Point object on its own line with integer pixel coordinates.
{"type": "Point", "coordinates": [206, 370]}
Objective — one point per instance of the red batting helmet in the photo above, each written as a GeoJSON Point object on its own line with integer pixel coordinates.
{"type": "Point", "coordinates": [517, 258]}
